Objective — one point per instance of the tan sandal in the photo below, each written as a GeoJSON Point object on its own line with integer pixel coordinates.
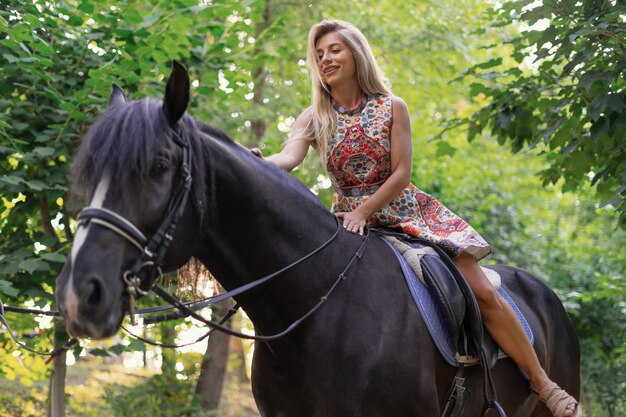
{"type": "Point", "coordinates": [558, 401]}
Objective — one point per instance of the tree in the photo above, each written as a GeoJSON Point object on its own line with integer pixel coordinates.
{"type": "Point", "coordinates": [58, 62]}
{"type": "Point", "coordinates": [564, 94]}
{"type": "Point", "coordinates": [246, 61]}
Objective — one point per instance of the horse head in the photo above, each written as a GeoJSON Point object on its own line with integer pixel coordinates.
{"type": "Point", "coordinates": [134, 168]}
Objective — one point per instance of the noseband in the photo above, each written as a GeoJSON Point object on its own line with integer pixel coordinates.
{"type": "Point", "coordinates": [152, 250]}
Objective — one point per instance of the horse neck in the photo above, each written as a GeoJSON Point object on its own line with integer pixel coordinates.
{"type": "Point", "coordinates": [263, 223]}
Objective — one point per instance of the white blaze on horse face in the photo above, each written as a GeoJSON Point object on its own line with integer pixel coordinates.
{"type": "Point", "coordinates": [71, 298]}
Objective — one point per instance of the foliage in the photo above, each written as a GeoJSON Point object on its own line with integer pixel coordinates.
{"type": "Point", "coordinates": [564, 94]}
{"type": "Point", "coordinates": [17, 400]}
{"type": "Point", "coordinates": [246, 62]}
{"type": "Point", "coordinates": [159, 396]}
{"type": "Point", "coordinates": [58, 61]}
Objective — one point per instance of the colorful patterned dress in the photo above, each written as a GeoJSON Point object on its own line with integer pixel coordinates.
{"type": "Point", "coordinates": [359, 161]}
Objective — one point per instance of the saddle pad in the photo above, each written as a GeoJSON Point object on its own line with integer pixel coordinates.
{"type": "Point", "coordinates": [433, 318]}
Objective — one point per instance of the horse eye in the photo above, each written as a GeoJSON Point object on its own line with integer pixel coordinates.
{"type": "Point", "coordinates": [159, 168]}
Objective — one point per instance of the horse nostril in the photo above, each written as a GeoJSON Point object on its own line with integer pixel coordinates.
{"type": "Point", "coordinates": [93, 291]}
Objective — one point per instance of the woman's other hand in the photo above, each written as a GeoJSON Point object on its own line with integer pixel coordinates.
{"type": "Point", "coordinates": [257, 152]}
{"type": "Point", "coordinates": [353, 221]}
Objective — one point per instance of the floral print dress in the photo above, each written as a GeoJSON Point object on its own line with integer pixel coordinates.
{"type": "Point", "coordinates": [359, 162]}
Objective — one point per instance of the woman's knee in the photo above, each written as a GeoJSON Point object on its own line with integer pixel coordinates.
{"type": "Point", "coordinates": [486, 295]}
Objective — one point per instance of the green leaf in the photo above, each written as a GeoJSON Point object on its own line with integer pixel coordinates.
{"type": "Point", "coordinates": [590, 78]}
{"type": "Point", "coordinates": [445, 149]}
{"type": "Point", "coordinates": [86, 7]}
{"type": "Point", "coordinates": [135, 345]}
{"type": "Point", "coordinates": [99, 352]}
{"type": "Point", "coordinates": [44, 152]}
{"type": "Point", "coordinates": [76, 20]}
{"type": "Point", "coordinates": [133, 16]}
{"type": "Point", "coordinates": [36, 185]}
{"type": "Point", "coordinates": [490, 64]}
{"type": "Point", "coordinates": [54, 257]}
{"type": "Point", "coordinates": [33, 20]}
{"type": "Point", "coordinates": [25, 48]}
{"type": "Point", "coordinates": [12, 179]}
{"type": "Point", "coordinates": [616, 102]}
{"type": "Point", "coordinates": [150, 20]}
{"type": "Point", "coordinates": [43, 48]}
{"type": "Point", "coordinates": [117, 349]}
{"type": "Point", "coordinates": [10, 58]}
{"type": "Point", "coordinates": [31, 265]}
{"type": "Point", "coordinates": [6, 288]}
{"type": "Point", "coordinates": [478, 88]}
{"type": "Point", "coordinates": [533, 15]}
{"type": "Point", "coordinates": [598, 106]}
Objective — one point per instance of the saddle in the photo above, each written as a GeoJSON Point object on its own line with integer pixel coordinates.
{"type": "Point", "coordinates": [451, 314]}
{"type": "Point", "coordinates": [452, 296]}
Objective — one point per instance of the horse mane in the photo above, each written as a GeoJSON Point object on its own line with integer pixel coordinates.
{"type": "Point", "coordinates": [270, 172]}
{"type": "Point", "coordinates": [120, 143]}
{"type": "Point", "coordinates": [125, 140]}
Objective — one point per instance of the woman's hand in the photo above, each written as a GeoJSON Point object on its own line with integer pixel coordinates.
{"type": "Point", "coordinates": [257, 152]}
{"type": "Point", "coordinates": [353, 221]}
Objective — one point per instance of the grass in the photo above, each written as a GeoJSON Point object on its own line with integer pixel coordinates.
{"type": "Point", "coordinates": [87, 385]}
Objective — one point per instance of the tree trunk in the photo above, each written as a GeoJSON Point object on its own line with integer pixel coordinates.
{"type": "Point", "coordinates": [168, 356]}
{"type": "Point", "coordinates": [213, 369]}
{"type": "Point", "coordinates": [237, 353]}
{"type": "Point", "coordinates": [56, 393]}
{"type": "Point", "coordinates": [259, 77]}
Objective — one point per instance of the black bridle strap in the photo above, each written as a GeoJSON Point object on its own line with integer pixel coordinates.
{"type": "Point", "coordinates": [262, 280]}
{"type": "Point", "coordinates": [194, 305]}
{"type": "Point", "coordinates": [113, 222]}
{"type": "Point", "coordinates": [52, 354]}
{"type": "Point", "coordinates": [342, 276]}
{"type": "Point", "coordinates": [152, 249]}
{"type": "Point", "coordinates": [223, 320]}
{"type": "Point", "coordinates": [158, 244]}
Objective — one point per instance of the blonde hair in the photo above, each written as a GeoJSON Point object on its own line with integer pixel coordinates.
{"type": "Point", "coordinates": [318, 122]}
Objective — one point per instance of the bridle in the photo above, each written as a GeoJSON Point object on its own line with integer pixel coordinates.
{"type": "Point", "coordinates": [154, 249]}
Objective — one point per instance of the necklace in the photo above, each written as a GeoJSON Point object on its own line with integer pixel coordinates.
{"type": "Point", "coordinates": [350, 110]}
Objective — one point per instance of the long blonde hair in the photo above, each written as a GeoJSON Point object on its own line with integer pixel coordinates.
{"type": "Point", "coordinates": [318, 122]}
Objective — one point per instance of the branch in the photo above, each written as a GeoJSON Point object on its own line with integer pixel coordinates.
{"type": "Point", "coordinates": [66, 223]}
{"type": "Point", "coordinates": [44, 211]}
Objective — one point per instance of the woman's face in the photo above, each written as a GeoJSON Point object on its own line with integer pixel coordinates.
{"type": "Point", "coordinates": [335, 60]}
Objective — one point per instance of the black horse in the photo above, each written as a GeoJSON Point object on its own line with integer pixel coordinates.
{"type": "Point", "coordinates": [365, 352]}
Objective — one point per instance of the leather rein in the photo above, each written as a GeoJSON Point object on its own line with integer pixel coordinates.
{"type": "Point", "coordinates": [154, 249]}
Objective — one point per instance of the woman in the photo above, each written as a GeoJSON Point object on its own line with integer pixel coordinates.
{"type": "Point", "coordinates": [363, 134]}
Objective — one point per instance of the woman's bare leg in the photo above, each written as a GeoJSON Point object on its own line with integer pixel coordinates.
{"type": "Point", "coordinates": [503, 325]}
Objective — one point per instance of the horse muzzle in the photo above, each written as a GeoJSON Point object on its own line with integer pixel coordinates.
{"type": "Point", "coordinates": [89, 306]}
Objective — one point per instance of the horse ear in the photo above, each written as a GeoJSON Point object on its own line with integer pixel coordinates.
{"type": "Point", "coordinates": [117, 96]}
{"type": "Point", "coordinates": [176, 94]}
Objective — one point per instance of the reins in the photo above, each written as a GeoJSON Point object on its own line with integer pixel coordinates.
{"type": "Point", "coordinates": [167, 297]}
{"type": "Point", "coordinates": [152, 255]}
{"type": "Point", "coordinates": [52, 354]}
{"type": "Point", "coordinates": [193, 305]}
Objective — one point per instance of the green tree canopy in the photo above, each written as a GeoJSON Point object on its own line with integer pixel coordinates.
{"type": "Point", "coordinates": [246, 60]}
{"type": "Point", "coordinates": [562, 92]}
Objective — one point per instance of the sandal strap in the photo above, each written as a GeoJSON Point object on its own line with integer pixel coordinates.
{"type": "Point", "coordinates": [557, 399]}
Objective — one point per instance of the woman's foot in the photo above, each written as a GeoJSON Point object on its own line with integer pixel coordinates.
{"type": "Point", "coordinates": [559, 402]}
